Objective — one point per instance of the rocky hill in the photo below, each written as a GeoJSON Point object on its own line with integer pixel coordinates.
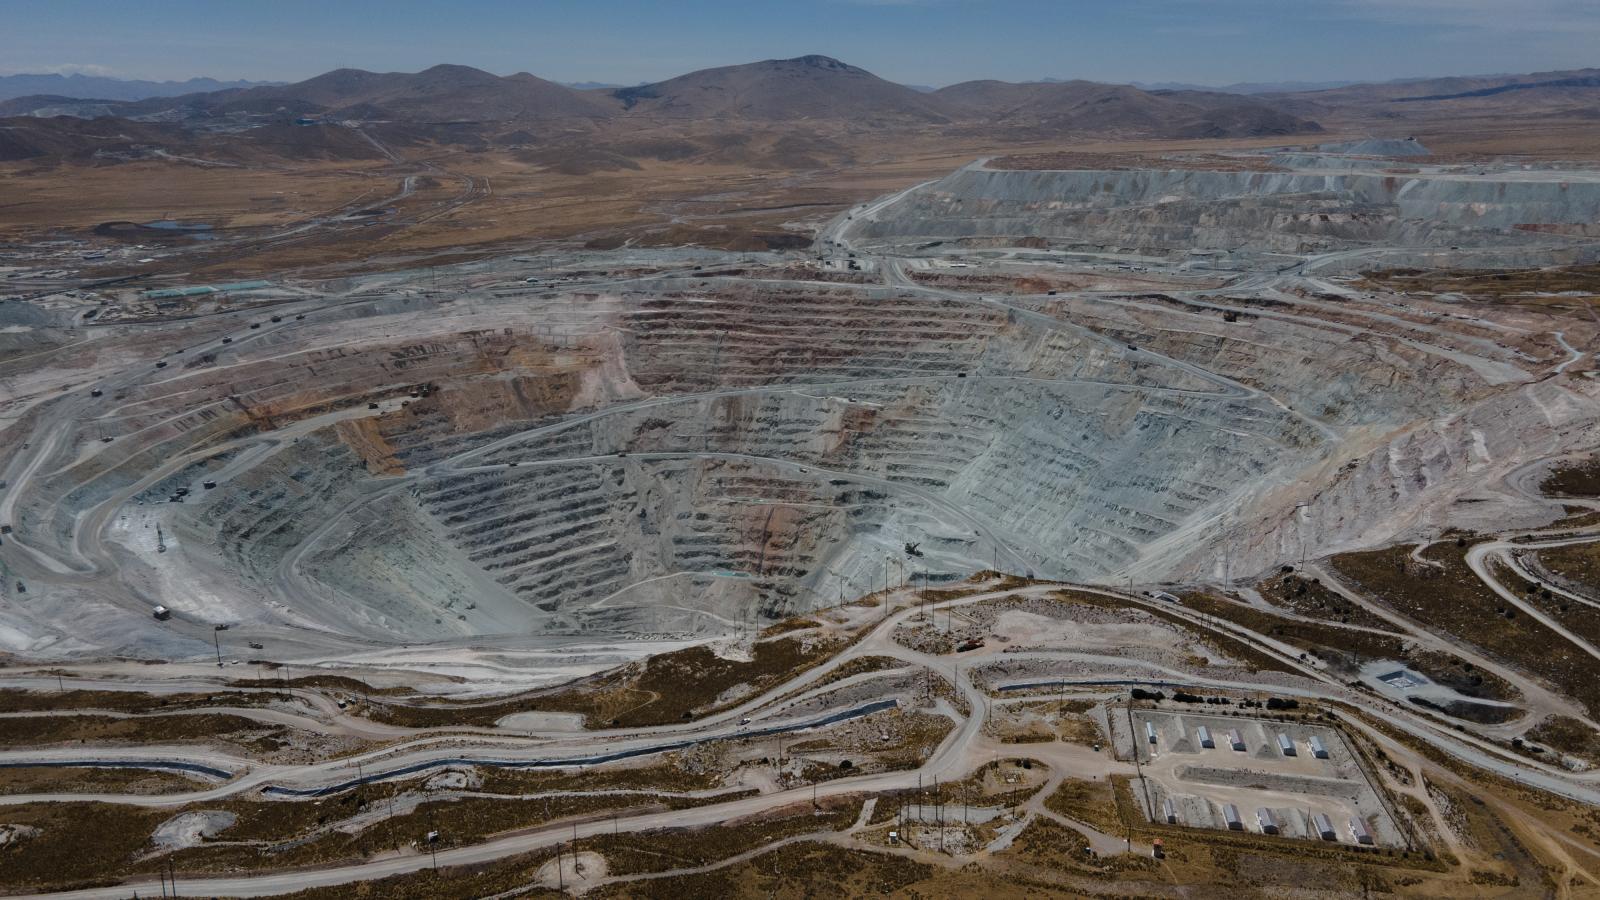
{"type": "Point", "coordinates": [1077, 107]}
{"type": "Point", "coordinates": [809, 87]}
{"type": "Point", "coordinates": [804, 89]}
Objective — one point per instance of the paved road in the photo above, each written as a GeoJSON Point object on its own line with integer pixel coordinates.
{"type": "Point", "coordinates": [963, 750]}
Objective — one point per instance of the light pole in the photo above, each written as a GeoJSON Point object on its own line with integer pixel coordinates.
{"type": "Point", "coordinates": [433, 841]}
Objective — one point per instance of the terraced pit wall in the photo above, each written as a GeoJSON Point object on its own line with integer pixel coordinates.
{"type": "Point", "coordinates": [1539, 218]}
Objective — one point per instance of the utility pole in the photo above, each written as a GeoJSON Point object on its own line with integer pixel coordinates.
{"type": "Point", "coordinates": [886, 587]}
{"type": "Point", "coordinates": [60, 687]}
{"type": "Point", "coordinates": [1300, 521]}
{"type": "Point", "coordinates": [218, 642]}
{"type": "Point", "coordinates": [1227, 557]}
{"type": "Point", "coordinates": [433, 841]}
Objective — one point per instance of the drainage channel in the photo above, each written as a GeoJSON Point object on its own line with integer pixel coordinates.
{"type": "Point", "coordinates": [830, 719]}
{"type": "Point", "coordinates": [160, 765]}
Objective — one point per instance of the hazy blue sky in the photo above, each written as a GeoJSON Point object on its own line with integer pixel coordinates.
{"type": "Point", "coordinates": [917, 41]}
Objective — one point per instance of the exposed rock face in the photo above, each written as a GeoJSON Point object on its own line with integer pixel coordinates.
{"type": "Point", "coordinates": [696, 452]}
{"type": "Point", "coordinates": [745, 452]}
{"type": "Point", "coordinates": [191, 829]}
{"type": "Point", "coordinates": [1176, 211]}
{"type": "Point", "coordinates": [1385, 147]}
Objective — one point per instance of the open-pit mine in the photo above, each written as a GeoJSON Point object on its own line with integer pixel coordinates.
{"type": "Point", "coordinates": [1213, 523]}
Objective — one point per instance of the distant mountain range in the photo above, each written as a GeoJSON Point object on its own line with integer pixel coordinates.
{"type": "Point", "coordinates": [1578, 83]}
{"type": "Point", "coordinates": [1087, 107]}
{"type": "Point", "coordinates": [94, 87]}
{"type": "Point", "coordinates": [1243, 87]}
{"type": "Point", "coordinates": [807, 88]}
{"type": "Point", "coordinates": [797, 110]}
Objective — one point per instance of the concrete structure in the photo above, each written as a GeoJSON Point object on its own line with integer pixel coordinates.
{"type": "Point", "coordinates": [1324, 827]}
{"type": "Point", "coordinates": [1230, 815]}
{"type": "Point", "coordinates": [1358, 831]}
{"type": "Point", "coordinates": [1270, 773]}
{"type": "Point", "coordinates": [1318, 749]}
{"type": "Point", "coordinates": [174, 293]}
{"type": "Point", "coordinates": [1150, 732]}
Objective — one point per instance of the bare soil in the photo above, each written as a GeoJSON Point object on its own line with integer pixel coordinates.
{"type": "Point", "coordinates": [1449, 598]}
